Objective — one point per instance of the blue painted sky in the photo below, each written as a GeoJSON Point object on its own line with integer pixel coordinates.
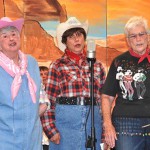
{"type": "Point", "coordinates": [95, 31]}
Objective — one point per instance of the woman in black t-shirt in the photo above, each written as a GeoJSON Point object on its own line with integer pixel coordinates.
{"type": "Point", "coordinates": [128, 126]}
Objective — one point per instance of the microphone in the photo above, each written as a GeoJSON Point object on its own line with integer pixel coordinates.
{"type": "Point", "coordinates": [90, 143]}
{"type": "Point", "coordinates": [91, 46]}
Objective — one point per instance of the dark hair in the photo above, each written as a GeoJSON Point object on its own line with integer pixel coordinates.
{"type": "Point", "coordinates": [70, 32]}
{"type": "Point", "coordinates": [42, 68]}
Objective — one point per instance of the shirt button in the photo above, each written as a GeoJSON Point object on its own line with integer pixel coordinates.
{"type": "Point", "coordinates": [84, 93]}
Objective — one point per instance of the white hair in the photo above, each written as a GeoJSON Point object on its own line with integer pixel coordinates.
{"type": "Point", "coordinates": [135, 21]}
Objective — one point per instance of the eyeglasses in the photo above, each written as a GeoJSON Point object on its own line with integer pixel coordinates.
{"type": "Point", "coordinates": [134, 36]}
{"type": "Point", "coordinates": [7, 35]}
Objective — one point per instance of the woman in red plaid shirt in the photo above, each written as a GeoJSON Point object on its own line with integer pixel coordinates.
{"type": "Point", "coordinates": [69, 120]}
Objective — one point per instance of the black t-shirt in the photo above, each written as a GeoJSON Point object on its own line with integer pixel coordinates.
{"type": "Point", "coordinates": [130, 81]}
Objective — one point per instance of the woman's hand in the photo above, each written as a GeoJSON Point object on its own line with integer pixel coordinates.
{"type": "Point", "coordinates": [56, 138]}
{"type": "Point", "coordinates": [110, 135]}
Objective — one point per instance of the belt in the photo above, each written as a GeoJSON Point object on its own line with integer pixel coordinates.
{"type": "Point", "coordinates": [74, 101]}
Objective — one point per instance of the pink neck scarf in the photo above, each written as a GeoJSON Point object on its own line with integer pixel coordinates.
{"type": "Point", "coordinates": [16, 72]}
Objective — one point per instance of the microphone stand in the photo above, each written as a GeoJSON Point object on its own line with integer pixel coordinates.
{"type": "Point", "coordinates": [90, 143]}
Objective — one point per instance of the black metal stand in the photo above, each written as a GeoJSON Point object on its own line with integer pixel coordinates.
{"type": "Point", "coordinates": [90, 143]}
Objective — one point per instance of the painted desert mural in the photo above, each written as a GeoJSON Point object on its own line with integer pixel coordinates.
{"type": "Point", "coordinates": [106, 24]}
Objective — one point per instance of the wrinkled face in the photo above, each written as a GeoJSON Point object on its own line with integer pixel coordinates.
{"type": "Point", "coordinates": [138, 39]}
{"type": "Point", "coordinates": [44, 76]}
{"type": "Point", "coordinates": [76, 42]}
{"type": "Point", "coordinates": [9, 40]}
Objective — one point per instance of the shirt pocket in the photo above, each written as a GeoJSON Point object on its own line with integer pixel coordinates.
{"type": "Point", "coordinates": [71, 76]}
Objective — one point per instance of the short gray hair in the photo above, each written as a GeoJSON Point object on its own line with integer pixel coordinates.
{"type": "Point", "coordinates": [9, 28]}
{"type": "Point", "coordinates": [135, 21]}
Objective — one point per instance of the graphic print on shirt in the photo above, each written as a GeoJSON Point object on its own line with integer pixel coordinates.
{"type": "Point", "coordinates": [139, 79]}
{"type": "Point", "coordinates": [119, 76]}
{"type": "Point", "coordinates": [127, 79]}
{"type": "Point", "coordinates": [130, 81]}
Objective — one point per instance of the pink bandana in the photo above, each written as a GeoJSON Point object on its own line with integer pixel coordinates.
{"type": "Point", "coordinates": [16, 72]}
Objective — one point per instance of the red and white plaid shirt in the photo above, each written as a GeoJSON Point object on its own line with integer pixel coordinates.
{"type": "Point", "coordinates": [68, 79]}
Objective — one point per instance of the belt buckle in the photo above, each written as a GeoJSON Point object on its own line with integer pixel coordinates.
{"type": "Point", "coordinates": [80, 101]}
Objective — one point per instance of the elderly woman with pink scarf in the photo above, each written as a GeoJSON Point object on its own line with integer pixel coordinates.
{"type": "Point", "coordinates": [20, 127]}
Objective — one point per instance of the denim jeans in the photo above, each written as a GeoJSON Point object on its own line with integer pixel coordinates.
{"type": "Point", "coordinates": [131, 135]}
{"type": "Point", "coordinates": [70, 121]}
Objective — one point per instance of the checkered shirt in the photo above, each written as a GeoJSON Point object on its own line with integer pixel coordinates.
{"type": "Point", "coordinates": [67, 79]}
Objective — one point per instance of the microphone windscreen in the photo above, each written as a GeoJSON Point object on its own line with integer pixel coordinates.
{"type": "Point", "coordinates": [91, 46]}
